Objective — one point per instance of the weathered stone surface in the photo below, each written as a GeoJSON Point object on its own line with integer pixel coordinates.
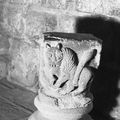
{"type": "Point", "coordinates": [24, 2]}
{"type": "Point", "coordinates": [61, 4]}
{"type": "Point", "coordinates": [19, 21]}
{"type": "Point", "coordinates": [24, 66]}
{"type": "Point", "coordinates": [58, 4]}
{"type": "Point", "coordinates": [4, 44]}
{"type": "Point", "coordinates": [83, 5]}
{"type": "Point", "coordinates": [1, 10]}
{"type": "Point", "coordinates": [13, 20]}
{"type": "Point", "coordinates": [17, 17]}
{"type": "Point", "coordinates": [4, 56]}
{"type": "Point", "coordinates": [115, 11]}
{"type": "Point", "coordinates": [92, 6]}
{"type": "Point", "coordinates": [96, 6]}
{"type": "Point", "coordinates": [50, 23]}
{"type": "Point", "coordinates": [107, 7]}
{"type": "Point", "coordinates": [43, 3]}
{"type": "Point", "coordinates": [70, 5]}
{"type": "Point", "coordinates": [35, 24]}
{"type": "Point", "coordinates": [65, 76]}
{"type": "Point", "coordinates": [67, 24]}
{"type": "Point", "coordinates": [3, 68]}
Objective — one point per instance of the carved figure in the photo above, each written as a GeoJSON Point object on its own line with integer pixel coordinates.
{"type": "Point", "coordinates": [66, 74]}
{"type": "Point", "coordinates": [53, 58]}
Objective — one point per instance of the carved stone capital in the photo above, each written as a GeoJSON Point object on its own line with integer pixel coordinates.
{"type": "Point", "coordinates": [66, 72]}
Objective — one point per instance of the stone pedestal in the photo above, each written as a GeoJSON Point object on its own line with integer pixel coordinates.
{"type": "Point", "coordinates": [47, 112]}
{"type": "Point", "coordinates": [37, 116]}
{"type": "Point", "coordinates": [66, 74]}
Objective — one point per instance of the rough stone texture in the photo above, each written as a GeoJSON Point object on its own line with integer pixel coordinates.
{"type": "Point", "coordinates": [20, 21]}
{"type": "Point", "coordinates": [13, 20]}
{"type": "Point", "coordinates": [35, 24]}
{"type": "Point", "coordinates": [4, 45]}
{"type": "Point", "coordinates": [28, 19]}
{"type": "Point", "coordinates": [3, 67]}
{"type": "Point", "coordinates": [65, 76]}
{"type": "Point", "coordinates": [50, 23]}
{"type": "Point", "coordinates": [24, 67]}
{"type": "Point", "coordinates": [115, 11]}
{"type": "Point", "coordinates": [91, 6]}
{"type": "Point", "coordinates": [4, 56]}
{"type": "Point", "coordinates": [96, 6]}
{"type": "Point", "coordinates": [82, 5]}
{"type": "Point", "coordinates": [70, 5]}
{"type": "Point", "coordinates": [67, 24]}
{"type": "Point", "coordinates": [23, 2]}
{"type": "Point", "coordinates": [1, 9]}
{"type": "Point", "coordinates": [58, 4]}
{"type": "Point", "coordinates": [99, 7]}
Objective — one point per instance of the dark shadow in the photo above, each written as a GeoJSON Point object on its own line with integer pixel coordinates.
{"type": "Point", "coordinates": [105, 84]}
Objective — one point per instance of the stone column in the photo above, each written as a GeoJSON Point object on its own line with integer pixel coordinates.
{"type": "Point", "coordinates": [66, 65]}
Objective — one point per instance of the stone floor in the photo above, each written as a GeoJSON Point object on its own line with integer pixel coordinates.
{"type": "Point", "coordinates": [16, 103]}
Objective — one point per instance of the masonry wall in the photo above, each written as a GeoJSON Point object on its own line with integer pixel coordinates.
{"type": "Point", "coordinates": [23, 22]}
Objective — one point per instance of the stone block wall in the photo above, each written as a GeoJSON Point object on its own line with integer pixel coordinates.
{"type": "Point", "coordinates": [23, 22]}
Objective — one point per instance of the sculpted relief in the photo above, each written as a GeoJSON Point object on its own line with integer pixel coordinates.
{"type": "Point", "coordinates": [66, 74]}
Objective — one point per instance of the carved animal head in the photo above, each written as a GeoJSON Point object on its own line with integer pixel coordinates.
{"type": "Point", "coordinates": [54, 56]}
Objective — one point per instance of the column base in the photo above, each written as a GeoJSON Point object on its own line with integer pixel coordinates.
{"type": "Point", "coordinates": [38, 116]}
